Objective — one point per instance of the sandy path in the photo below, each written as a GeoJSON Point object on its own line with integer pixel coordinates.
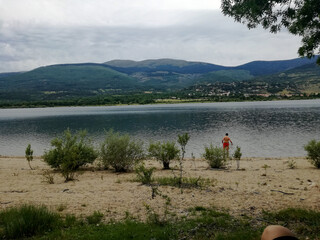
{"type": "Point", "coordinates": [240, 192]}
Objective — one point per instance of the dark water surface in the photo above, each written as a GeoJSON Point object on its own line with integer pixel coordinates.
{"type": "Point", "coordinates": [261, 129]}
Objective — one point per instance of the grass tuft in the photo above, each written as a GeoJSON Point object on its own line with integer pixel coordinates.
{"type": "Point", "coordinates": [187, 182]}
{"type": "Point", "coordinates": [305, 222]}
{"type": "Point", "coordinates": [27, 221]}
{"type": "Point", "coordinates": [95, 218]}
{"type": "Point", "coordinates": [206, 223]}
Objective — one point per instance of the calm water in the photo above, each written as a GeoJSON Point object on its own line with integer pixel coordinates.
{"type": "Point", "coordinates": [266, 129]}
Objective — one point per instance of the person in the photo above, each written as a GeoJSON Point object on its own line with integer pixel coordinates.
{"type": "Point", "coordinates": [225, 142]}
{"type": "Point", "coordinates": [276, 232]}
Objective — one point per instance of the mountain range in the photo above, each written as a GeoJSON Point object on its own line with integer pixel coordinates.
{"type": "Point", "coordinates": [119, 76]}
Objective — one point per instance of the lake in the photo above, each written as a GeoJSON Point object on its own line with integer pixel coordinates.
{"type": "Point", "coordinates": [261, 129]}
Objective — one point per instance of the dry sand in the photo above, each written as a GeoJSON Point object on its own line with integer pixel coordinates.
{"type": "Point", "coordinates": [239, 192]}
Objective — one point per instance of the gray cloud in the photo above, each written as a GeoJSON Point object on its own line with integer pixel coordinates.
{"type": "Point", "coordinates": [202, 35]}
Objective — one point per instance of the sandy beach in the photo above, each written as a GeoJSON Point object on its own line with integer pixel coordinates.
{"type": "Point", "coordinates": [247, 191]}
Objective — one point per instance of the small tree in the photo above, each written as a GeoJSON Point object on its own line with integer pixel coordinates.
{"type": "Point", "coordinates": [69, 153]}
{"type": "Point", "coordinates": [144, 175]}
{"type": "Point", "coordinates": [265, 167]}
{"type": "Point", "coordinates": [29, 155]}
{"type": "Point", "coordinates": [120, 152]}
{"type": "Point", "coordinates": [215, 156]}
{"type": "Point", "coordinates": [182, 140]}
{"type": "Point", "coordinates": [164, 152]}
{"type": "Point", "coordinates": [313, 149]}
{"type": "Point", "coordinates": [237, 155]}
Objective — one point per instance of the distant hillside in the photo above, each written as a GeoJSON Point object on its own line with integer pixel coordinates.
{"type": "Point", "coordinates": [164, 74]}
{"type": "Point", "coordinates": [308, 72]}
{"type": "Point", "coordinates": [167, 65]}
{"type": "Point", "coordinates": [69, 77]}
{"type": "Point", "coordinates": [306, 78]}
{"type": "Point", "coordinates": [65, 81]}
{"type": "Point", "coordinates": [151, 63]}
{"type": "Point", "coordinates": [174, 74]}
{"type": "Point", "coordinates": [9, 74]}
{"type": "Point", "coordinates": [258, 68]}
{"type": "Point", "coordinates": [225, 76]}
{"type": "Point", "coordinates": [300, 82]}
{"type": "Point", "coordinates": [123, 76]}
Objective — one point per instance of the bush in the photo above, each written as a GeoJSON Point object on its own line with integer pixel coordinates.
{"type": "Point", "coordinates": [237, 156]}
{"type": "Point", "coordinates": [164, 152]}
{"type": "Point", "coordinates": [144, 175]}
{"type": "Point", "coordinates": [313, 149]}
{"type": "Point", "coordinates": [29, 155]}
{"type": "Point", "coordinates": [292, 164]}
{"type": "Point", "coordinates": [70, 152]}
{"type": "Point", "coordinates": [48, 176]}
{"type": "Point", "coordinates": [27, 221]}
{"type": "Point", "coordinates": [214, 156]}
{"type": "Point", "coordinates": [120, 152]}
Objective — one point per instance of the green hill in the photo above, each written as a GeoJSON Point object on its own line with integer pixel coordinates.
{"type": "Point", "coordinates": [255, 68]}
{"type": "Point", "coordinates": [261, 68]}
{"type": "Point", "coordinates": [65, 81]}
{"type": "Point", "coordinates": [309, 72]}
{"type": "Point", "coordinates": [171, 74]}
{"type": "Point", "coordinates": [164, 74]}
{"type": "Point", "coordinates": [225, 76]}
{"type": "Point", "coordinates": [167, 65]}
{"type": "Point", "coordinates": [306, 78]}
{"type": "Point", "coordinates": [151, 63]}
{"type": "Point", "coordinates": [69, 79]}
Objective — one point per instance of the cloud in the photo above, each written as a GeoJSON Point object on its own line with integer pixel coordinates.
{"type": "Point", "coordinates": [141, 30]}
{"type": "Point", "coordinates": [99, 12]}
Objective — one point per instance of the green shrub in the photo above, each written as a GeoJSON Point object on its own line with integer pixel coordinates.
{"type": "Point", "coordinates": [214, 156]}
{"type": "Point", "coordinates": [292, 164]}
{"type": "Point", "coordinates": [48, 176]}
{"type": "Point", "coordinates": [26, 221]}
{"type": "Point", "coordinates": [95, 218]}
{"type": "Point", "coordinates": [69, 220]}
{"type": "Point", "coordinates": [144, 175]}
{"type": "Point", "coordinates": [313, 149]}
{"type": "Point", "coordinates": [69, 153]}
{"type": "Point", "coordinates": [120, 152]}
{"type": "Point", "coordinates": [265, 167]}
{"type": "Point", "coordinates": [183, 141]}
{"type": "Point", "coordinates": [237, 156]}
{"type": "Point", "coordinates": [164, 152]}
{"type": "Point", "coordinates": [29, 155]}
{"type": "Point", "coordinates": [185, 182]}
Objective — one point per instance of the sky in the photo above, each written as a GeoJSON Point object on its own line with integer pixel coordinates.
{"type": "Point", "coordinates": [36, 33]}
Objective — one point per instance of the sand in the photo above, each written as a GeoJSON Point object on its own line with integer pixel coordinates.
{"type": "Point", "coordinates": [247, 191]}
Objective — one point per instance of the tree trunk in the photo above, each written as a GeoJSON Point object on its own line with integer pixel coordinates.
{"type": "Point", "coordinates": [166, 165]}
{"type": "Point", "coordinates": [30, 165]}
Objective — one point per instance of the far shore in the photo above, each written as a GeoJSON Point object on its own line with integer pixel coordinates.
{"type": "Point", "coordinates": [157, 102]}
{"type": "Point", "coordinates": [247, 191]}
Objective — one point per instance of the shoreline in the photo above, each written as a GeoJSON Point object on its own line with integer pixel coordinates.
{"type": "Point", "coordinates": [186, 158]}
{"type": "Point", "coordinates": [115, 195]}
{"type": "Point", "coordinates": [186, 101]}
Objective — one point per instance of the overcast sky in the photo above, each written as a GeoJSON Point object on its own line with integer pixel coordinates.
{"type": "Point", "coordinates": [35, 33]}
